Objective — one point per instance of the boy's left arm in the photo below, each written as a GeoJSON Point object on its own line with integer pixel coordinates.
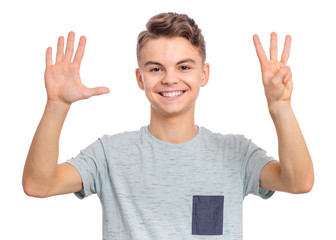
{"type": "Point", "coordinates": [294, 172]}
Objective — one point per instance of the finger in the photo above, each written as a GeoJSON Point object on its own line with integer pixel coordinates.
{"type": "Point", "coordinates": [49, 57]}
{"type": "Point", "coordinates": [60, 49]}
{"type": "Point", "coordinates": [259, 49]}
{"type": "Point", "coordinates": [80, 50]}
{"type": "Point", "coordinates": [286, 50]}
{"type": "Point", "coordinates": [89, 92]}
{"type": "Point", "coordinates": [69, 47]}
{"type": "Point", "coordinates": [274, 46]}
{"type": "Point", "coordinates": [288, 76]}
{"type": "Point", "coordinates": [282, 75]}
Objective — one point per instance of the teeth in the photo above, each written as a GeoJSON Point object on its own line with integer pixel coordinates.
{"type": "Point", "coordinates": [172, 94]}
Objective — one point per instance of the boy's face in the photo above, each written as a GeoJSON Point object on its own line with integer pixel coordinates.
{"type": "Point", "coordinates": [171, 72]}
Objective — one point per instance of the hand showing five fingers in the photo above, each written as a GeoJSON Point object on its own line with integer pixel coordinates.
{"type": "Point", "coordinates": [62, 78]}
{"type": "Point", "coordinates": [276, 76]}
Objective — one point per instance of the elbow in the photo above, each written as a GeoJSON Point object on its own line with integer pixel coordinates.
{"type": "Point", "coordinates": [301, 188]}
{"type": "Point", "coordinates": [33, 191]}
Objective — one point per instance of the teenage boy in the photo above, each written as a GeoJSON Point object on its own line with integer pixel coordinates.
{"type": "Point", "coordinates": [171, 179]}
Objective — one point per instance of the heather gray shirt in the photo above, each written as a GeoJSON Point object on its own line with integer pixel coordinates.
{"type": "Point", "coordinates": [150, 189]}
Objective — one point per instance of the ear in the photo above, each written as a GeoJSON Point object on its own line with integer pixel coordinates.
{"type": "Point", "coordinates": [205, 74]}
{"type": "Point", "coordinates": [139, 79]}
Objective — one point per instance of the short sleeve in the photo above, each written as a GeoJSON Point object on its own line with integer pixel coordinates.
{"type": "Point", "coordinates": [254, 160]}
{"type": "Point", "coordinates": [91, 165]}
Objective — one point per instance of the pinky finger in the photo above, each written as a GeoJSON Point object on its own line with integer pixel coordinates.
{"type": "Point", "coordinates": [49, 57]}
{"type": "Point", "coordinates": [288, 76]}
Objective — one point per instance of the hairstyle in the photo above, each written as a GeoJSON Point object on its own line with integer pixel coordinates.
{"type": "Point", "coordinates": [171, 25]}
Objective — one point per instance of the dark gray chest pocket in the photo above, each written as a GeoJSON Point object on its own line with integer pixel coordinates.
{"type": "Point", "coordinates": [207, 215]}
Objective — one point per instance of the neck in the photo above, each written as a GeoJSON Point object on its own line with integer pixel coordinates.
{"type": "Point", "coordinates": [173, 129]}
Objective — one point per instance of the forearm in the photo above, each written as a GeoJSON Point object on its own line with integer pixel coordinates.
{"type": "Point", "coordinates": [40, 168]}
{"type": "Point", "coordinates": [296, 164]}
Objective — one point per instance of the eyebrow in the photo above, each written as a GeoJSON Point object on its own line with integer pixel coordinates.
{"type": "Point", "coordinates": [152, 63]}
{"type": "Point", "coordinates": [186, 60]}
{"type": "Point", "coordinates": [180, 62]}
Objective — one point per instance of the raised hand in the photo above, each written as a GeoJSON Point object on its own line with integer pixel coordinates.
{"type": "Point", "coordinates": [62, 79]}
{"type": "Point", "coordinates": [294, 172]}
{"type": "Point", "coordinates": [276, 76]}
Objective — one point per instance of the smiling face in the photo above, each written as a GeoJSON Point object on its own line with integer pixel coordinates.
{"type": "Point", "coordinates": [171, 72]}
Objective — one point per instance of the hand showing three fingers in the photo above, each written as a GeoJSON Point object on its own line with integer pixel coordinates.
{"type": "Point", "coordinates": [276, 76]}
{"type": "Point", "coordinates": [62, 78]}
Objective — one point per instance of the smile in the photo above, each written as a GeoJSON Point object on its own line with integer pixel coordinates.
{"type": "Point", "coordinates": [171, 94]}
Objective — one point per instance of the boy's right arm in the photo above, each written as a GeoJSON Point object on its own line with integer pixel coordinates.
{"type": "Point", "coordinates": [42, 175]}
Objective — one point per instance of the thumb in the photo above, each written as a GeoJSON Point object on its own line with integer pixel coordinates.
{"type": "Point", "coordinates": [288, 76]}
{"type": "Point", "coordinates": [89, 92]}
{"type": "Point", "coordinates": [282, 76]}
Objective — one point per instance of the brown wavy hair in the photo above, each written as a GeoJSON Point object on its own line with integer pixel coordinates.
{"type": "Point", "coordinates": [171, 25]}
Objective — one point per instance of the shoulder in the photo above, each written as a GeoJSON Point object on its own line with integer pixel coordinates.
{"type": "Point", "coordinates": [220, 138]}
{"type": "Point", "coordinates": [122, 139]}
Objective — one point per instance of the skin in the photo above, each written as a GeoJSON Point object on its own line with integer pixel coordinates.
{"type": "Point", "coordinates": [294, 172]}
{"type": "Point", "coordinates": [166, 66]}
{"type": "Point", "coordinates": [42, 176]}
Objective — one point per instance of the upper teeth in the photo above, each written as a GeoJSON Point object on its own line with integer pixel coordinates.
{"type": "Point", "coordinates": [172, 94]}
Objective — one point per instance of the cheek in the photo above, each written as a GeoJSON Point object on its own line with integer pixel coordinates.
{"type": "Point", "coordinates": [149, 87]}
{"type": "Point", "coordinates": [148, 84]}
{"type": "Point", "coordinates": [150, 81]}
{"type": "Point", "coordinates": [194, 80]}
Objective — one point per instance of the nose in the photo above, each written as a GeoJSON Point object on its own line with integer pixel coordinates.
{"type": "Point", "coordinates": [170, 77]}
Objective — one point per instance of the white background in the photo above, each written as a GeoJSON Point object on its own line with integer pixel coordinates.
{"type": "Point", "coordinates": [232, 102]}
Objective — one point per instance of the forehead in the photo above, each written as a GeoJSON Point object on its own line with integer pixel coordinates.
{"type": "Point", "coordinates": [168, 51]}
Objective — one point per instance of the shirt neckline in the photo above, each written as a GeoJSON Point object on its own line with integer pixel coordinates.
{"type": "Point", "coordinates": [189, 143]}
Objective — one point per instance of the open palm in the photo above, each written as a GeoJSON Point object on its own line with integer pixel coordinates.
{"type": "Point", "coordinates": [62, 79]}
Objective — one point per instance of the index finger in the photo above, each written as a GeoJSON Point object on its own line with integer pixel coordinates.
{"type": "Point", "coordinates": [80, 50]}
{"type": "Point", "coordinates": [48, 57]}
{"type": "Point", "coordinates": [259, 49]}
{"type": "Point", "coordinates": [286, 50]}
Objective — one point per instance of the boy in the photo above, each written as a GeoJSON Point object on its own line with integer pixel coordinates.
{"type": "Point", "coordinates": [172, 179]}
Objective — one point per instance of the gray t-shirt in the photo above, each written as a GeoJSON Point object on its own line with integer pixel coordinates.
{"type": "Point", "coordinates": [150, 189]}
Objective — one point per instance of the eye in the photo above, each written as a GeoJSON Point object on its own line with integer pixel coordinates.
{"type": "Point", "coordinates": [184, 68]}
{"type": "Point", "coordinates": [156, 69]}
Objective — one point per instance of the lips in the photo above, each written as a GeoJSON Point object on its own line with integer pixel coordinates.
{"type": "Point", "coordinates": [171, 94]}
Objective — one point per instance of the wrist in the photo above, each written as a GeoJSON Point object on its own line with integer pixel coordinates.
{"type": "Point", "coordinates": [57, 106]}
{"type": "Point", "coordinates": [280, 110]}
